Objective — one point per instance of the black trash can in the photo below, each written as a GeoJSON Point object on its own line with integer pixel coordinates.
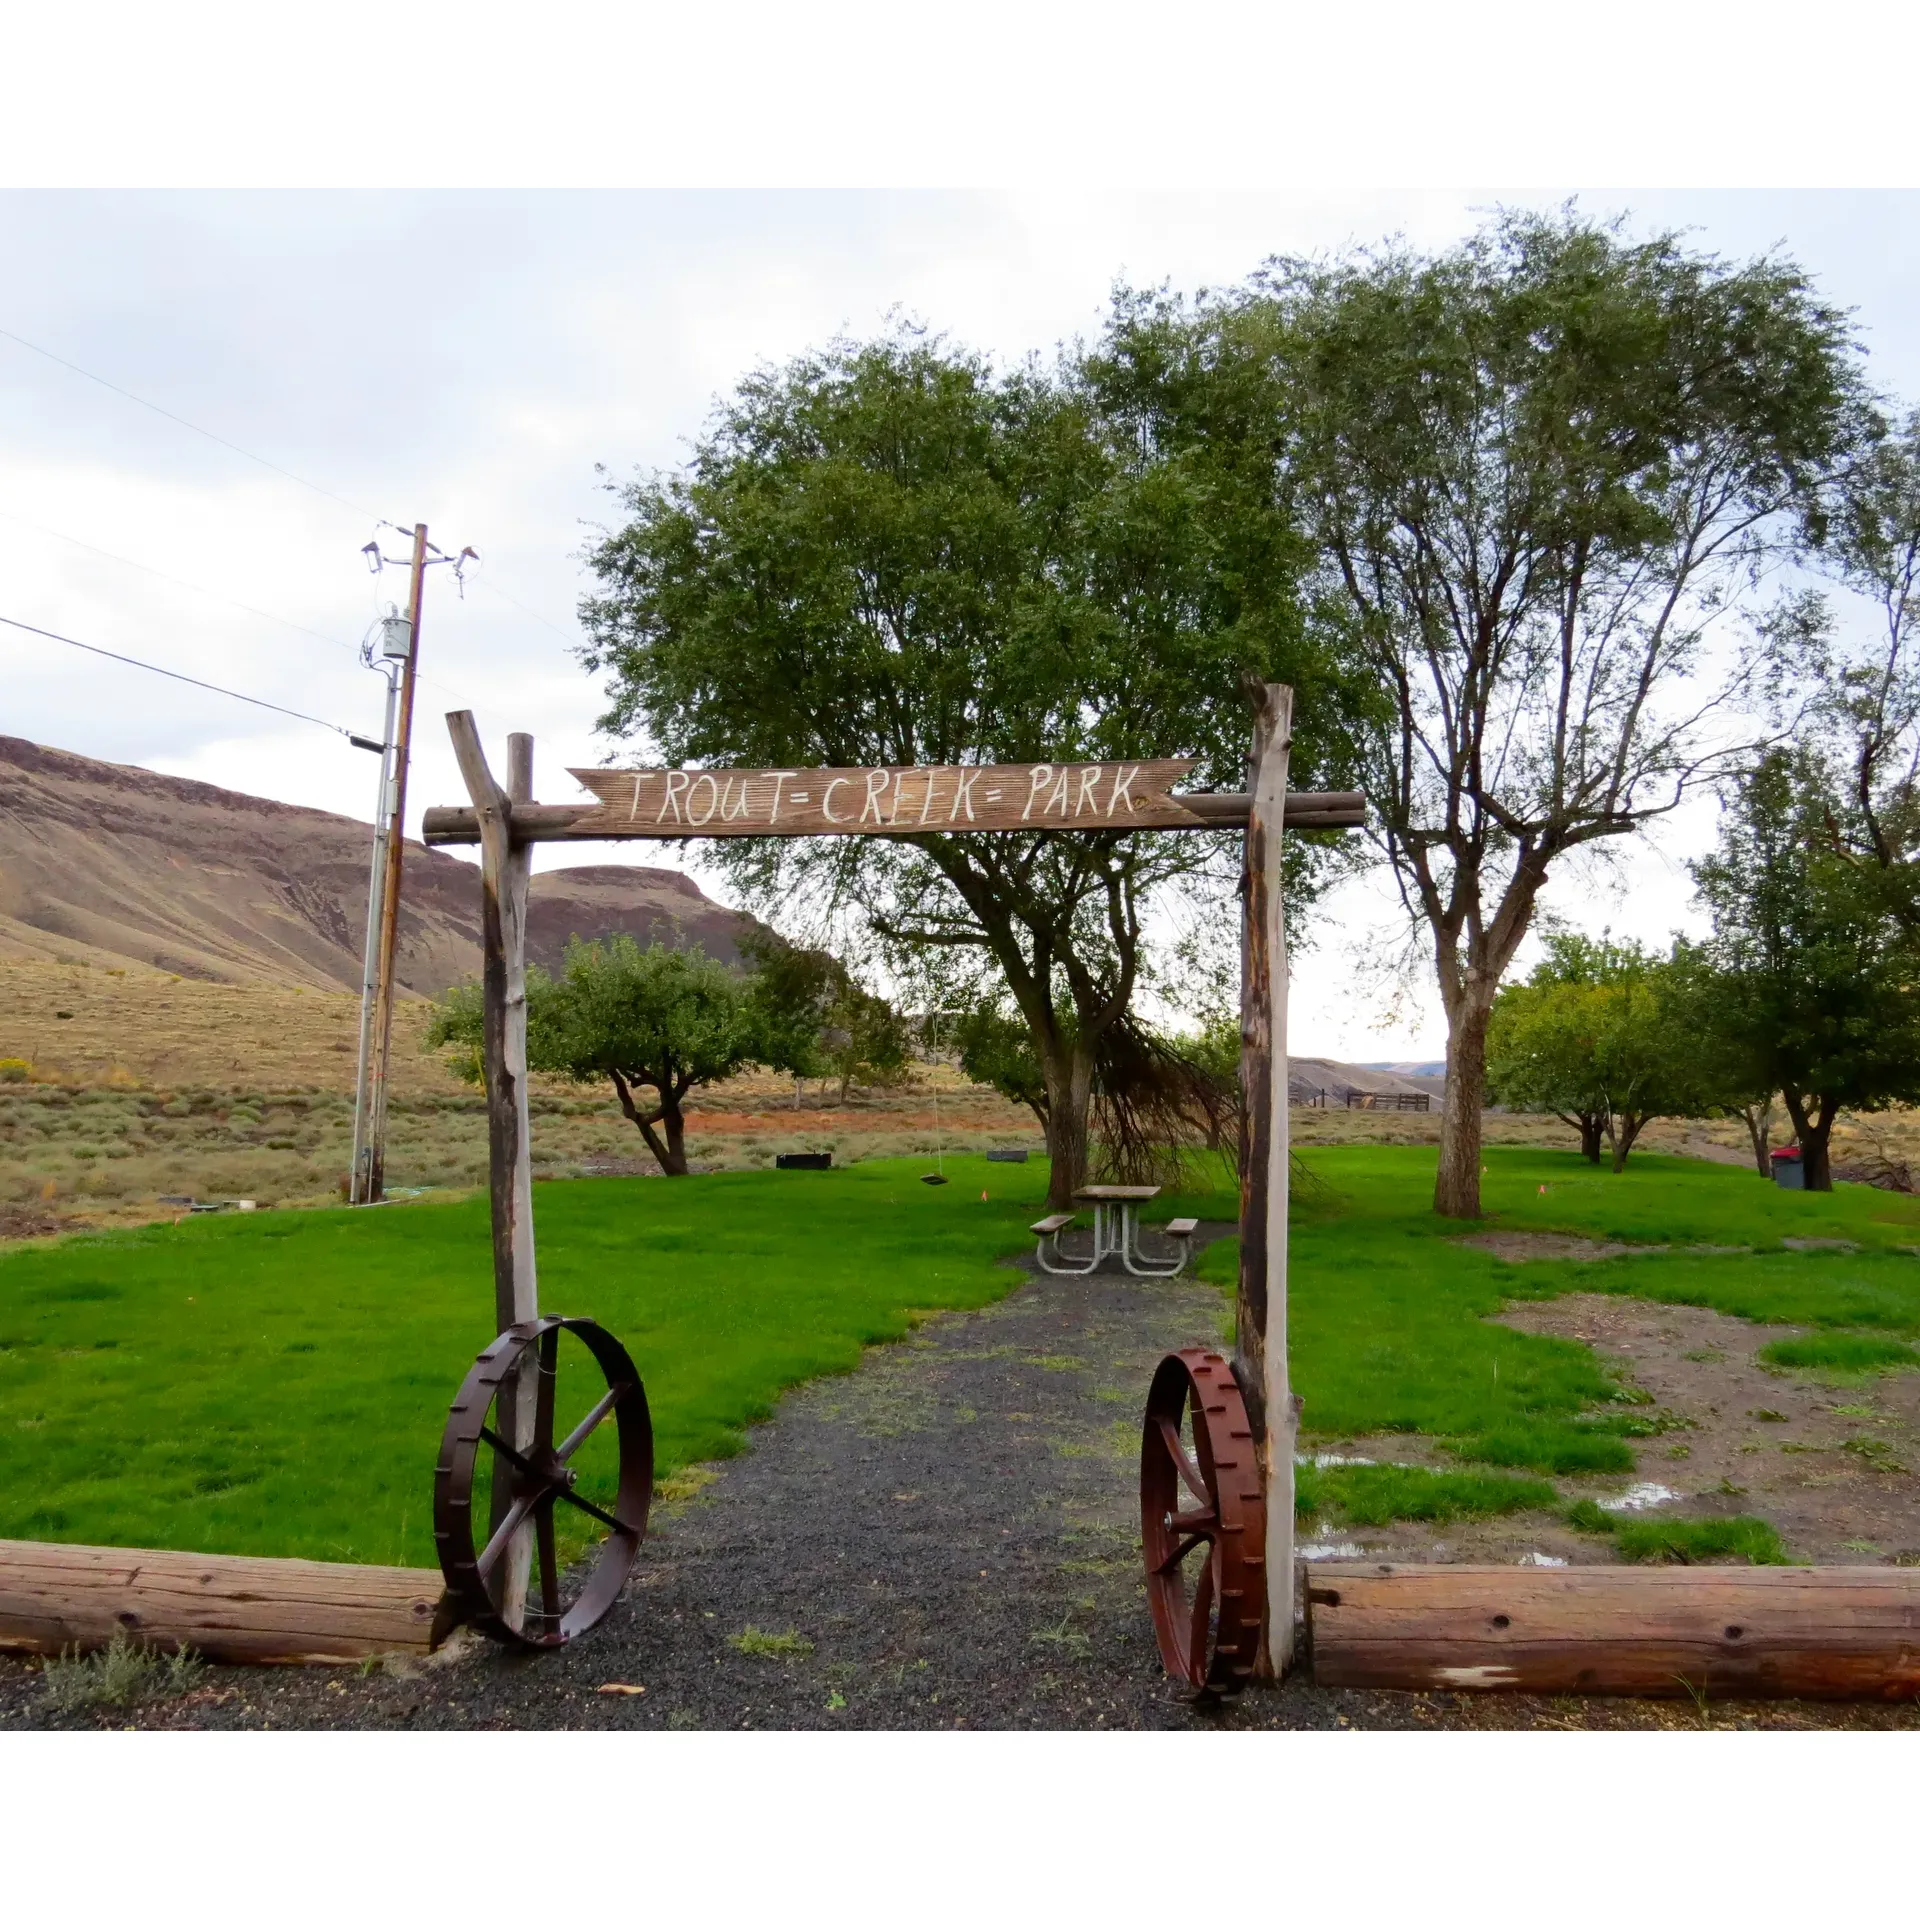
{"type": "Point", "coordinates": [1788, 1169]}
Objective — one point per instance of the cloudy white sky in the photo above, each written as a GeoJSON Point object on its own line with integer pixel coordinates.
{"type": "Point", "coordinates": [471, 358]}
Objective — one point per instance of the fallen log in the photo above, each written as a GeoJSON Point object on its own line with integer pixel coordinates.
{"type": "Point", "coordinates": [246, 1612]}
{"type": "Point", "coordinates": [1816, 1633]}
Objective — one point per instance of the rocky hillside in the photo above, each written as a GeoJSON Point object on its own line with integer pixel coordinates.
{"type": "Point", "coordinates": [116, 865]}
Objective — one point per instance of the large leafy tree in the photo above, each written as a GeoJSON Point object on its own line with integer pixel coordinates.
{"type": "Point", "coordinates": [1812, 977]}
{"type": "Point", "coordinates": [891, 552]}
{"type": "Point", "coordinates": [1536, 471]}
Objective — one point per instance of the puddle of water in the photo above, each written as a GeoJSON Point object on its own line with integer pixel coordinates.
{"type": "Point", "coordinates": [1637, 1499]}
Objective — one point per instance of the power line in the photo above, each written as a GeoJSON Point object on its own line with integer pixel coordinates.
{"type": "Point", "coordinates": [206, 433]}
{"type": "Point", "coordinates": [126, 659]}
{"type": "Point", "coordinates": [259, 613]}
{"type": "Point", "coordinates": [272, 466]}
{"type": "Point", "coordinates": [140, 566]}
{"type": "Point", "coordinates": [502, 593]}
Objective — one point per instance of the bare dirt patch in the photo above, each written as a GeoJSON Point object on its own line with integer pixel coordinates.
{"type": "Point", "coordinates": [1520, 1247]}
{"type": "Point", "coordinates": [1829, 1461]}
{"type": "Point", "coordinates": [23, 1223]}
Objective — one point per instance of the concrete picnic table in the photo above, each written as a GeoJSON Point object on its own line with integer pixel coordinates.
{"type": "Point", "coordinates": [1116, 1229]}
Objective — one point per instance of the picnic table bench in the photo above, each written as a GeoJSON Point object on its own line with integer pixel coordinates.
{"type": "Point", "coordinates": [1116, 1230]}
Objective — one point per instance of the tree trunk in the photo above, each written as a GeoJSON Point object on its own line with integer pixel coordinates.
{"type": "Point", "coordinates": [1069, 1077]}
{"type": "Point", "coordinates": [1456, 1188]}
{"type": "Point", "coordinates": [1813, 1129]}
{"type": "Point", "coordinates": [1592, 1130]}
{"type": "Point", "coordinates": [670, 1152]}
{"type": "Point", "coordinates": [676, 1125]}
{"type": "Point", "coordinates": [1759, 1121]}
{"type": "Point", "coordinates": [1626, 1131]}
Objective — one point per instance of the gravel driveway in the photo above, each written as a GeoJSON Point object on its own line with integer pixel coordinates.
{"type": "Point", "coordinates": [946, 1538]}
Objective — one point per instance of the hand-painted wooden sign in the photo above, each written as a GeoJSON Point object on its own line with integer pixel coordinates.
{"type": "Point", "coordinates": [666, 802]}
{"type": "Point", "coordinates": [662, 803]}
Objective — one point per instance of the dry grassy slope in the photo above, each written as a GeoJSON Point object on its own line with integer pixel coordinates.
{"type": "Point", "coordinates": [135, 1026]}
{"type": "Point", "coordinates": [154, 1086]}
{"type": "Point", "coordinates": [122, 867]}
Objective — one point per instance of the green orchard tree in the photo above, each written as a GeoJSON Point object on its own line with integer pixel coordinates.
{"type": "Point", "coordinates": [825, 1023]}
{"type": "Point", "coordinates": [1812, 979]}
{"type": "Point", "coordinates": [657, 1019]}
{"type": "Point", "coordinates": [1591, 1037]}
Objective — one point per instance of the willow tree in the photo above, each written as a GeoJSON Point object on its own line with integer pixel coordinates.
{"type": "Point", "coordinates": [1539, 472]}
{"type": "Point", "coordinates": [891, 552]}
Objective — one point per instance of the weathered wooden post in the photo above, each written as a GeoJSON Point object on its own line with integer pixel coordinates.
{"type": "Point", "coordinates": [505, 870]}
{"type": "Point", "coordinates": [1262, 1319]}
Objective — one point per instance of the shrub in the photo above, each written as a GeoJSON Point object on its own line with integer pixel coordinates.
{"type": "Point", "coordinates": [15, 1070]}
{"type": "Point", "coordinates": [118, 1675]}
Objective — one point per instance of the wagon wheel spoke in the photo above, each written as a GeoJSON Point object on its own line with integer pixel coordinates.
{"type": "Point", "coordinates": [577, 1438]}
{"type": "Point", "coordinates": [1188, 1472]}
{"type": "Point", "coordinates": [499, 1446]}
{"type": "Point", "coordinates": [516, 1518]}
{"type": "Point", "coordinates": [543, 1391]}
{"type": "Point", "coordinates": [599, 1513]}
{"type": "Point", "coordinates": [1202, 1624]}
{"type": "Point", "coordinates": [1175, 1555]}
{"type": "Point", "coordinates": [549, 1567]}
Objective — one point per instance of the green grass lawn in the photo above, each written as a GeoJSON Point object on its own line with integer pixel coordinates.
{"type": "Point", "coordinates": [276, 1383]}
{"type": "Point", "coordinates": [1388, 1310]}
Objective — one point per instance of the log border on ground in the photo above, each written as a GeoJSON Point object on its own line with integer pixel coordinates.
{"type": "Point", "coordinates": [1816, 1633]}
{"type": "Point", "coordinates": [247, 1612]}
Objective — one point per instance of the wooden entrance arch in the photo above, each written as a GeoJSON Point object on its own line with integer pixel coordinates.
{"type": "Point", "coordinates": [673, 803]}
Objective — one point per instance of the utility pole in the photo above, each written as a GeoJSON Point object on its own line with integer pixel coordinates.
{"type": "Point", "coordinates": [389, 659]}
{"type": "Point", "coordinates": [367, 1181]}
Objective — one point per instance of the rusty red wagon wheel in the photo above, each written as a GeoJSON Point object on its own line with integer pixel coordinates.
{"type": "Point", "coordinates": [1203, 1523]}
{"type": "Point", "coordinates": [605, 1473]}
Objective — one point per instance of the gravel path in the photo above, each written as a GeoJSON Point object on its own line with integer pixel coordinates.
{"type": "Point", "coordinates": [951, 1533]}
